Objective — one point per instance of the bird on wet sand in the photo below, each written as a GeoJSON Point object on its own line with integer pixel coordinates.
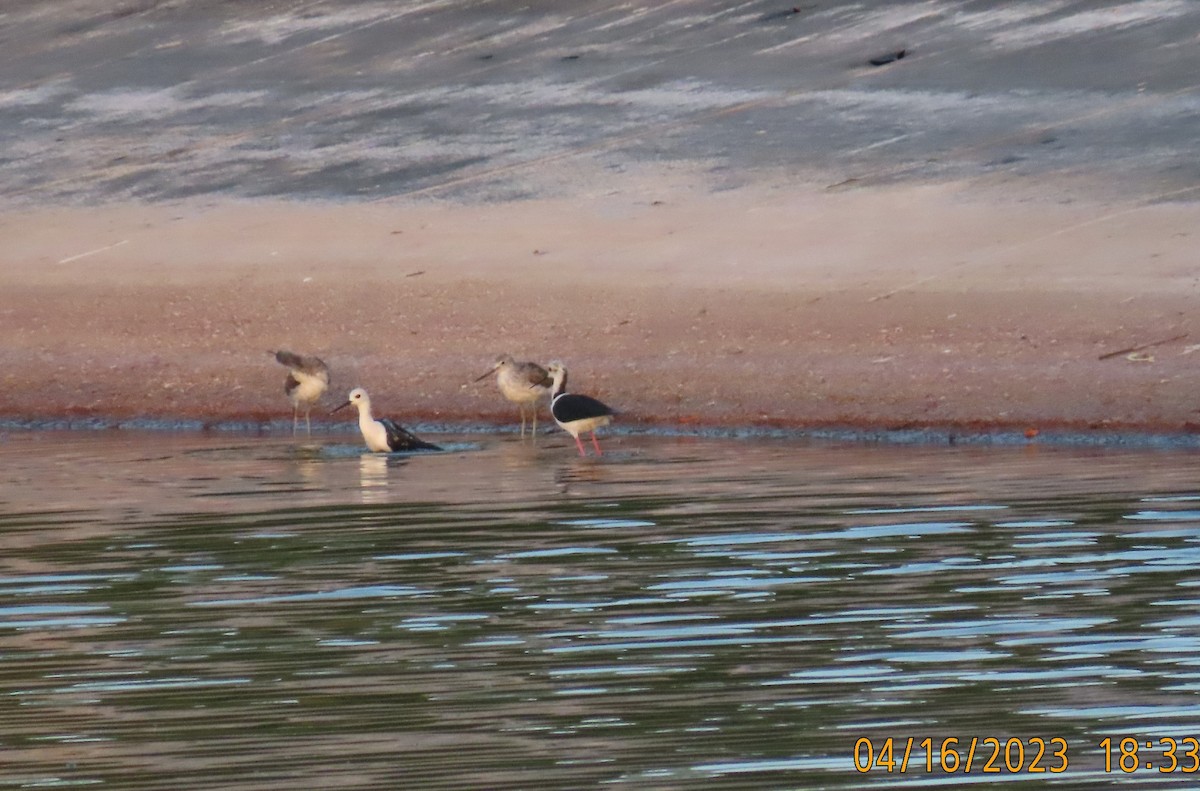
{"type": "Point", "coordinates": [307, 381]}
{"type": "Point", "coordinates": [576, 413]}
{"type": "Point", "coordinates": [524, 384]}
{"type": "Point", "coordinates": [383, 435]}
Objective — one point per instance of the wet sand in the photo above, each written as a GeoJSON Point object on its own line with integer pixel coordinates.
{"type": "Point", "coordinates": [903, 306]}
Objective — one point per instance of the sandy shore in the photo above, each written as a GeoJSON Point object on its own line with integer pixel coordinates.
{"type": "Point", "coordinates": [715, 214]}
{"type": "Point", "coordinates": [801, 306]}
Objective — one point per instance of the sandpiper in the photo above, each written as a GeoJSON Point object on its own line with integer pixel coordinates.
{"type": "Point", "coordinates": [576, 413]}
{"type": "Point", "coordinates": [308, 378]}
{"type": "Point", "coordinates": [522, 383]}
{"type": "Point", "coordinates": [383, 435]}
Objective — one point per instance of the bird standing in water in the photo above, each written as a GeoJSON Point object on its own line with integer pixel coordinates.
{"type": "Point", "coordinates": [576, 413]}
{"type": "Point", "coordinates": [383, 435]}
{"type": "Point", "coordinates": [307, 381]}
{"type": "Point", "coordinates": [525, 384]}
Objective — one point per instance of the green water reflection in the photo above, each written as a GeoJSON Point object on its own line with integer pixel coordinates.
{"type": "Point", "coordinates": [226, 613]}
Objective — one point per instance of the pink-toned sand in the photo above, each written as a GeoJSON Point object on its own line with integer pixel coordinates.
{"type": "Point", "coordinates": [784, 306]}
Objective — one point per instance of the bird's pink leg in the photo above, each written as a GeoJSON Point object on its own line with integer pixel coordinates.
{"type": "Point", "coordinates": [582, 452]}
{"type": "Point", "coordinates": [597, 444]}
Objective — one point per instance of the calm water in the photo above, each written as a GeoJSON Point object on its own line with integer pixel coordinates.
{"type": "Point", "coordinates": [188, 611]}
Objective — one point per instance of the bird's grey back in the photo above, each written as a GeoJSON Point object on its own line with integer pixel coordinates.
{"type": "Point", "coordinates": [305, 364]}
{"type": "Point", "coordinates": [534, 374]}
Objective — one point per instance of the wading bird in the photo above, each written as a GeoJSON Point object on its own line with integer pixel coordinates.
{"type": "Point", "coordinates": [524, 384]}
{"type": "Point", "coordinates": [307, 381]}
{"type": "Point", "coordinates": [383, 435]}
{"type": "Point", "coordinates": [576, 413]}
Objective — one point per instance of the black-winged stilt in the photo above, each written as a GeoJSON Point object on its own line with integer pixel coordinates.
{"type": "Point", "coordinates": [307, 381]}
{"type": "Point", "coordinates": [576, 413]}
{"type": "Point", "coordinates": [522, 383]}
{"type": "Point", "coordinates": [382, 435]}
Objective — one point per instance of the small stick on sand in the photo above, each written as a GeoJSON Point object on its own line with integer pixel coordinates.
{"type": "Point", "coordinates": [1143, 346]}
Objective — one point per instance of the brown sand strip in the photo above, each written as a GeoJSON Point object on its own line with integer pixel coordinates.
{"type": "Point", "coordinates": [890, 307]}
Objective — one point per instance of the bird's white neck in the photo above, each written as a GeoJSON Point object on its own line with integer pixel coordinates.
{"type": "Point", "coordinates": [374, 432]}
{"type": "Point", "coordinates": [560, 384]}
{"type": "Point", "coordinates": [364, 412]}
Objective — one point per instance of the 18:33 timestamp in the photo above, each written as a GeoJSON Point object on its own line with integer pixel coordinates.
{"type": "Point", "coordinates": [1166, 755]}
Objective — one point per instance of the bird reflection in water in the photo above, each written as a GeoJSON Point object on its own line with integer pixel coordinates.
{"type": "Point", "coordinates": [579, 471]}
{"type": "Point", "coordinates": [372, 477]}
{"type": "Point", "coordinates": [307, 462]}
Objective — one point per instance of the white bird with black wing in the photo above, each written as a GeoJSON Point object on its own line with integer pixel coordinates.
{"type": "Point", "coordinates": [307, 381]}
{"type": "Point", "coordinates": [576, 413]}
{"type": "Point", "coordinates": [382, 435]}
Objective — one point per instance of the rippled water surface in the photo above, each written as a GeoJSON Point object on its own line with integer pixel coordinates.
{"type": "Point", "coordinates": [187, 611]}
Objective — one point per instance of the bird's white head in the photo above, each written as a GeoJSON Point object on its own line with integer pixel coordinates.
{"type": "Point", "coordinates": [358, 397]}
{"type": "Point", "coordinates": [558, 373]}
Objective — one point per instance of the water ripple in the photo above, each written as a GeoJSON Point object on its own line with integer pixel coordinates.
{"type": "Point", "coordinates": [225, 612]}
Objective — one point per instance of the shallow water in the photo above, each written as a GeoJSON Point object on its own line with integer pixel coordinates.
{"type": "Point", "coordinates": [187, 611]}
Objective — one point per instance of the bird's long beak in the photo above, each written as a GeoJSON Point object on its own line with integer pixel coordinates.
{"type": "Point", "coordinates": [336, 408]}
{"type": "Point", "coordinates": [485, 375]}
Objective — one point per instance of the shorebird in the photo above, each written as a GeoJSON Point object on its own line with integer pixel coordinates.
{"type": "Point", "coordinates": [522, 383]}
{"type": "Point", "coordinates": [576, 413]}
{"type": "Point", "coordinates": [308, 378]}
{"type": "Point", "coordinates": [382, 435]}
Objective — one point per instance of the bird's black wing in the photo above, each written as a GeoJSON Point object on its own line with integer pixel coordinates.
{"type": "Point", "coordinates": [571, 407]}
{"type": "Point", "coordinates": [400, 438]}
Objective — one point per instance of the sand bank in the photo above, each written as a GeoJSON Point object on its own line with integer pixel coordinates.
{"type": "Point", "coordinates": [799, 306]}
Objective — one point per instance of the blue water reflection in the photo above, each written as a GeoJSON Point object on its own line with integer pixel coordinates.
{"type": "Point", "coordinates": [195, 611]}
